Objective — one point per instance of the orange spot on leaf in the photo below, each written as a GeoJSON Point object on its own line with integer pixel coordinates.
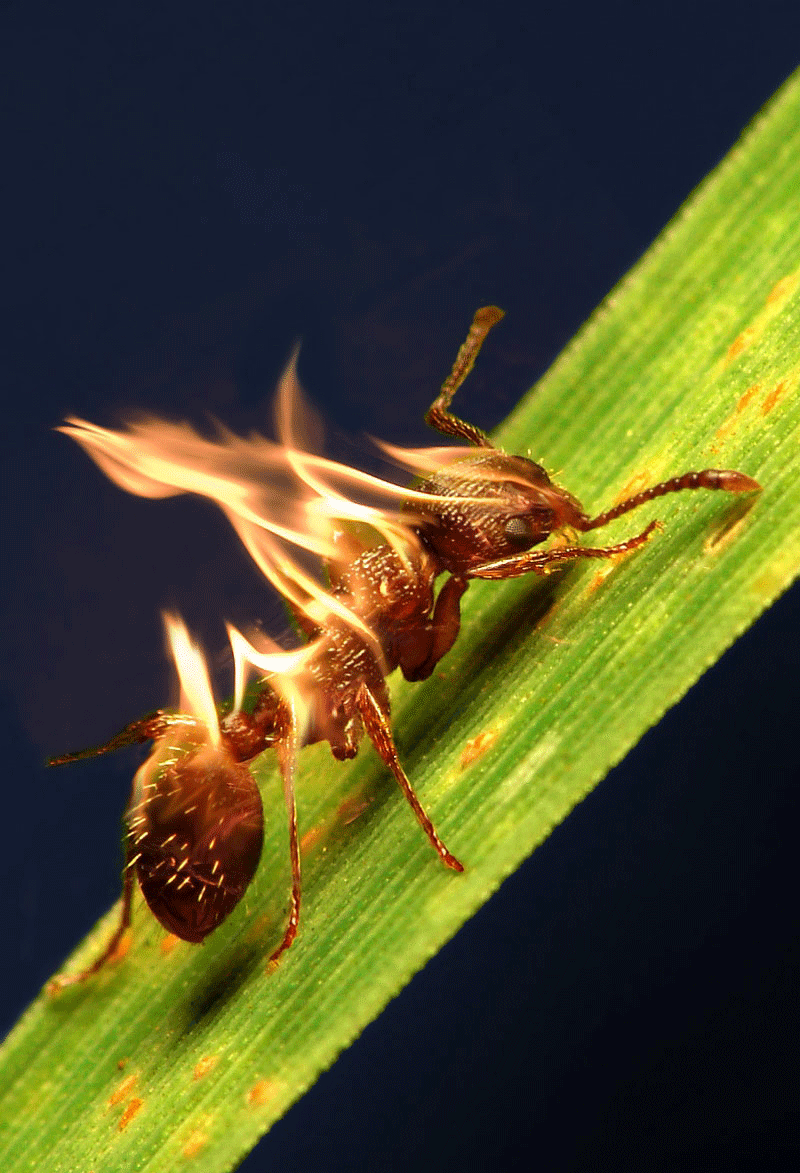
{"type": "Point", "coordinates": [600, 576]}
{"type": "Point", "coordinates": [309, 841]}
{"type": "Point", "coordinates": [131, 1109]}
{"type": "Point", "coordinates": [196, 1143]}
{"type": "Point", "coordinates": [635, 485]}
{"type": "Point", "coordinates": [261, 1093]}
{"type": "Point", "coordinates": [123, 1091]}
{"type": "Point", "coordinates": [746, 396]}
{"type": "Point", "coordinates": [353, 808]}
{"type": "Point", "coordinates": [726, 429]}
{"type": "Point", "coordinates": [168, 944]}
{"type": "Point", "coordinates": [741, 342]}
{"type": "Point", "coordinates": [782, 289]}
{"type": "Point", "coordinates": [203, 1066]}
{"type": "Point", "coordinates": [777, 392]}
{"type": "Point", "coordinates": [259, 928]}
{"type": "Point", "coordinates": [476, 747]}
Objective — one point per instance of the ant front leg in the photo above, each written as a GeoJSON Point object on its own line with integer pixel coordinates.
{"type": "Point", "coordinates": [542, 562]}
{"type": "Point", "coordinates": [376, 722]}
{"type": "Point", "coordinates": [438, 415]}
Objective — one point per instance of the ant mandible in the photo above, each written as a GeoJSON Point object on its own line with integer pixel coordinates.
{"type": "Point", "coordinates": [194, 822]}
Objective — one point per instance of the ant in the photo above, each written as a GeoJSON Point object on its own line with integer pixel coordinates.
{"type": "Point", "coordinates": [194, 821]}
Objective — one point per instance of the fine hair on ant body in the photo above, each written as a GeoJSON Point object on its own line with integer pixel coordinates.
{"type": "Point", "coordinates": [194, 823]}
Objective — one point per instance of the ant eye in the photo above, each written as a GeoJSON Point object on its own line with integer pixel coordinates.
{"type": "Point", "coordinates": [534, 527]}
{"type": "Point", "coordinates": [519, 531]}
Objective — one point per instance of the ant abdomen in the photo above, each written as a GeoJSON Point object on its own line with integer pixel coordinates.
{"type": "Point", "coordinates": [195, 830]}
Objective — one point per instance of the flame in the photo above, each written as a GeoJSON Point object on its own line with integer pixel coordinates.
{"type": "Point", "coordinates": [197, 697]}
{"type": "Point", "coordinates": [274, 662]}
{"type": "Point", "coordinates": [278, 497]}
{"type": "Point", "coordinates": [326, 501]}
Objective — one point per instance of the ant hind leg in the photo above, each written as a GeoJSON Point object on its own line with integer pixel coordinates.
{"type": "Point", "coordinates": [376, 723]}
{"type": "Point", "coordinates": [62, 980]}
{"type": "Point", "coordinates": [287, 748]}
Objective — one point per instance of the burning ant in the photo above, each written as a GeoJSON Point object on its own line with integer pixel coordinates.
{"type": "Point", "coordinates": [194, 821]}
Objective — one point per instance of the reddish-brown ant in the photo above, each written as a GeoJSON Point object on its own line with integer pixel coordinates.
{"type": "Point", "coordinates": [194, 823]}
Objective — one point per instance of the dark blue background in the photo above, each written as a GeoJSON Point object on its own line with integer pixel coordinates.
{"type": "Point", "coordinates": [185, 195]}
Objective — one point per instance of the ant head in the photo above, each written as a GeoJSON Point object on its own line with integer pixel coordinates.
{"type": "Point", "coordinates": [496, 506]}
{"type": "Point", "coordinates": [196, 827]}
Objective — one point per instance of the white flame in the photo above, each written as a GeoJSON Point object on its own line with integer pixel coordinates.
{"type": "Point", "coordinates": [275, 662]}
{"type": "Point", "coordinates": [197, 696]}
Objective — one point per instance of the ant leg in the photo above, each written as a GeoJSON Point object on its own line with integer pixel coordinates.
{"type": "Point", "coordinates": [287, 749]}
{"type": "Point", "coordinates": [148, 728]}
{"type": "Point", "coordinates": [376, 723]}
{"type": "Point", "coordinates": [710, 478]}
{"type": "Point", "coordinates": [438, 416]}
{"type": "Point", "coordinates": [62, 980]}
{"type": "Point", "coordinates": [246, 735]}
{"type": "Point", "coordinates": [422, 649]}
{"type": "Point", "coordinates": [542, 562]}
